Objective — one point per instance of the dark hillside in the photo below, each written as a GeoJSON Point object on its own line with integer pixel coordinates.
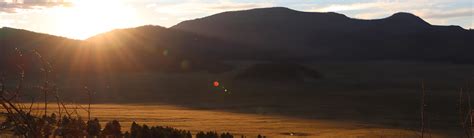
{"type": "Point", "coordinates": [291, 34]}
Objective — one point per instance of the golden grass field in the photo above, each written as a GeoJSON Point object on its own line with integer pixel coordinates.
{"type": "Point", "coordinates": [236, 123]}
{"type": "Point", "coordinates": [351, 100]}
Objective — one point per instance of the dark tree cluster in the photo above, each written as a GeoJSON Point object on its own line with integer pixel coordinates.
{"type": "Point", "coordinates": [43, 126]}
{"type": "Point", "coordinates": [212, 134]}
{"type": "Point", "coordinates": [67, 126]}
{"type": "Point", "coordinates": [144, 131]}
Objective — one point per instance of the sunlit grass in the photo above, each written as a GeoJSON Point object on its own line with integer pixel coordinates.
{"type": "Point", "coordinates": [236, 123]}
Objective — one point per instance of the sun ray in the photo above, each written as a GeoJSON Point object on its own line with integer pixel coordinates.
{"type": "Point", "coordinates": [86, 18]}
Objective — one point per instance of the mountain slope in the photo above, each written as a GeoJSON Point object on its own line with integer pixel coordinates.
{"type": "Point", "coordinates": [158, 48]}
{"type": "Point", "coordinates": [17, 38]}
{"type": "Point", "coordinates": [260, 34]}
{"type": "Point", "coordinates": [145, 48]}
{"type": "Point", "coordinates": [332, 36]}
{"type": "Point", "coordinates": [55, 49]}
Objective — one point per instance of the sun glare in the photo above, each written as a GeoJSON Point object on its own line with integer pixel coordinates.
{"type": "Point", "coordinates": [86, 18]}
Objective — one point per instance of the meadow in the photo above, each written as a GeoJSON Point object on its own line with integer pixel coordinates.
{"type": "Point", "coordinates": [376, 99]}
{"type": "Point", "coordinates": [238, 124]}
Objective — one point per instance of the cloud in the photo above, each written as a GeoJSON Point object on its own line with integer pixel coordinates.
{"type": "Point", "coordinates": [14, 7]}
{"type": "Point", "coordinates": [371, 9]}
{"type": "Point", "coordinates": [447, 14]}
{"type": "Point", "coordinates": [237, 6]}
{"type": "Point", "coordinates": [434, 11]}
{"type": "Point", "coordinates": [7, 22]}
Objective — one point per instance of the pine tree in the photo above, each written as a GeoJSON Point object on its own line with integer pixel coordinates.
{"type": "Point", "coordinates": [93, 127]}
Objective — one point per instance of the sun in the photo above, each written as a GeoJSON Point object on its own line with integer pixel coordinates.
{"type": "Point", "coordinates": [86, 18]}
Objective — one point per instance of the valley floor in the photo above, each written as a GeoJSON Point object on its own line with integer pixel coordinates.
{"type": "Point", "coordinates": [369, 99]}
{"type": "Point", "coordinates": [238, 123]}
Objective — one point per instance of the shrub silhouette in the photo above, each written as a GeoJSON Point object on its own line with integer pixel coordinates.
{"type": "Point", "coordinates": [135, 130]}
{"type": "Point", "coordinates": [75, 127]}
{"type": "Point", "coordinates": [69, 127]}
{"type": "Point", "coordinates": [227, 135]}
{"type": "Point", "coordinates": [112, 128]}
{"type": "Point", "coordinates": [93, 127]}
{"type": "Point", "coordinates": [145, 131]}
{"type": "Point", "coordinates": [210, 134]}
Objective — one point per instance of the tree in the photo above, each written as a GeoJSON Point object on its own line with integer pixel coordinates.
{"type": "Point", "coordinates": [112, 128]}
{"type": "Point", "coordinates": [93, 127]}
{"type": "Point", "coordinates": [135, 130]}
{"type": "Point", "coordinates": [227, 135]}
{"type": "Point", "coordinates": [145, 132]}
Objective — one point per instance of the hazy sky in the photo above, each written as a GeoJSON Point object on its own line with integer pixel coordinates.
{"type": "Point", "coordinates": [81, 19]}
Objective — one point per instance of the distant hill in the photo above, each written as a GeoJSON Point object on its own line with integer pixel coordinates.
{"type": "Point", "coordinates": [158, 48]}
{"type": "Point", "coordinates": [277, 34]}
{"type": "Point", "coordinates": [288, 34]}
{"type": "Point", "coordinates": [146, 48]}
{"type": "Point", "coordinates": [48, 45]}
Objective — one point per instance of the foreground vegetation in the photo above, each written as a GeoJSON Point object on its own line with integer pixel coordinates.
{"type": "Point", "coordinates": [52, 125]}
{"type": "Point", "coordinates": [22, 122]}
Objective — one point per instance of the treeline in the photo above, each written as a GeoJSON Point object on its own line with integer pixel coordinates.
{"type": "Point", "coordinates": [67, 126]}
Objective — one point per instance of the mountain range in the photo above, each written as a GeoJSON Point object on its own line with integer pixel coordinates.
{"type": "Point", "coordinates": [267, 34]}
{"type": "Point", "coordinates": [327, 36]}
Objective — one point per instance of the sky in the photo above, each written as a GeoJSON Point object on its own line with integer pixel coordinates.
{"type": "Point", "coordinates": [80, 19]}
